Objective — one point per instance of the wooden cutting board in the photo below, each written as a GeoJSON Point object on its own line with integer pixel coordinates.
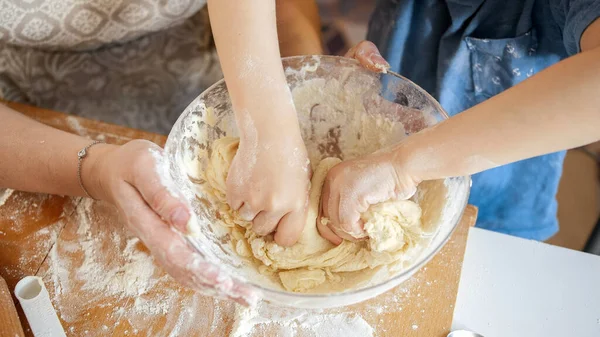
{"type": "Point", "coordinates": [9, 319]}
{"type": "Point", "coordinates": [103, 282]}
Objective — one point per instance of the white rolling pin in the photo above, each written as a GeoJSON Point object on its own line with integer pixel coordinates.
{"type": "Point", "coordinates": [35, 301]}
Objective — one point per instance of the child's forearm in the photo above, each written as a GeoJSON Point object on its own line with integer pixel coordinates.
{"type": "Point", "coordinates": [557, 109]}
{"type": "Point", "coordinates": [246, 38]}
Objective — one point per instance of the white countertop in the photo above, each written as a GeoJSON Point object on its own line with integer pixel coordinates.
{"type": "Point", "coordinates": [515, 287]}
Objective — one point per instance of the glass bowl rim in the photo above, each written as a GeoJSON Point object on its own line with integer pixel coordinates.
{"type": "Point", "coordinates": [409, 271]}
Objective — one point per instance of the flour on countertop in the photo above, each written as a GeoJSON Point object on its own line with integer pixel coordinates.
{"type": "Point", "coordinates": [143, 299]}
{"type": "Point", "coordinates": [99, 259]}
{"type": "Point", "coordinates": [101, 278]}
{"type": "Point", "coordinates": [288, 322]}
{"type": "Point", "coordinates": [133, 278]}
{"type": "Point", "coordinates": [344, 324]}
{"type": "Point", "coordinates": [24, 214]}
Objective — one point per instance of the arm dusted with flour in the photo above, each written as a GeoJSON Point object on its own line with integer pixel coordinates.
{"type": "Point", "coordinates": [268, 180]}
{"type": "Point", "coordinates": [557, 109]}
{"type": "Point", "coordinates": [37, 158]}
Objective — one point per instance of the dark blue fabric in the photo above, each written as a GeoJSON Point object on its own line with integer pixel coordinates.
{"type": "Point", "coordinates": [466, 51]}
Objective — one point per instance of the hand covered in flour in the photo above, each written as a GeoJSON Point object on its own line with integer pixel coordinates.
{"type": "Point", "coordinates": [369, 56]}
{"type": "Point", "coordinates": [354, 185]}
{"type": "Point", "coordinates": [133, 178]}
{"type": "Point", "coordinates": [269, 180]}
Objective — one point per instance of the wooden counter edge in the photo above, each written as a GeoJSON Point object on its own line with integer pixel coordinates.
{"type": "Point", "coordinates": [75, 124]}
{"type": "Point", "coordinates": [470, 215]}
{"type": "Point", "coordinates": [9, 318]}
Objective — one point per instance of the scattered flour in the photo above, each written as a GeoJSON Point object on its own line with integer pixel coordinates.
{"type": "Point", "coordinates": [269, 320]}
{"type": "Point", "coordinates": [24, 221]}
{"type": "Point", "coordinates": [133, 278]}
{"type": "Point", "coordinates": [129, 279]}
{"type": "Point", "coordinates": [98, 265]}
{"type": "Point", "coordinates": [337, 325]}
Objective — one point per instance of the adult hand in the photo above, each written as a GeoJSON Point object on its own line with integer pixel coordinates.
{"type": "Point", "coordinates": [129, 177]}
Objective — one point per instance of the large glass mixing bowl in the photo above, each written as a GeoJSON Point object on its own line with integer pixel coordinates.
{"type": "Point", "coordinates": [393, 105]}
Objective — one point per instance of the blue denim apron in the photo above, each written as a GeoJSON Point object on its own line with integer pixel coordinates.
{"type": "Point", "coordinates": [466, 51]}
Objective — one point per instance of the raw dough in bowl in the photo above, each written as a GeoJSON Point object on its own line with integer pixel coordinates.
{"type": "Point", "coordinates": [313, 263]}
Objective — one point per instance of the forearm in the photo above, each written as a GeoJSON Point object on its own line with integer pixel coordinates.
{"type": "Point", "coordinates": [556, 109]}
{"type": "Point", "coordinates": [246, 38]}
{"type": "Point", "coordinates": [37, 158]}
{"type": "Point", "coordinates": [299, 27]}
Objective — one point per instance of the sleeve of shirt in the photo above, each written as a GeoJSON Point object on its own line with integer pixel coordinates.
{"type": "Point", "coordinates": [574, 16]}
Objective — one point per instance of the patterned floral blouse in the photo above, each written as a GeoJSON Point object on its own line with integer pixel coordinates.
{"type": "Point", "coordinates": [132, 62]}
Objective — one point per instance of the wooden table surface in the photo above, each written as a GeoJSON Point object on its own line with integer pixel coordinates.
{"type": "Point", "coordinates": [102, 281]}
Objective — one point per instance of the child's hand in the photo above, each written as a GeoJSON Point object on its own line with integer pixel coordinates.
{"type": "Point", "coordinates": [127, 176]}
{"type": "Point", "coordinates": [268, 182]}
{"type": "Point", "coordinates": [354, 185]}
{"type": "Point", "coordinates": [369, 56]}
